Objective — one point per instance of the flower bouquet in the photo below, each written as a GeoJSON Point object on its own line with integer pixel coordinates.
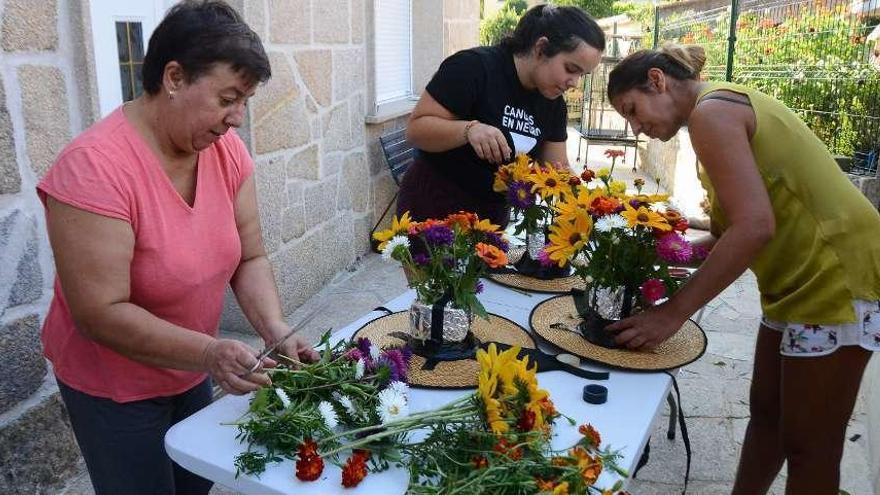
{"type": "Point", "coordinates": [444, 260]}
{"type": "Point", "coordinates": [354, 385]}
{"type": "Point", "coordinates": [533, 191]}
{"type": "Point", "coordinates": [494, 440]}
{"type": "Point", "coordinates": [628, 242]}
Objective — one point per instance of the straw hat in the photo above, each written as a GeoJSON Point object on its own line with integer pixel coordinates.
{"type": "Point", "coordinates": [556, 321]}
{"type": "Point", "coordinates": [391, 330]}
{"type": "Point", "coordinates": [518, 281]}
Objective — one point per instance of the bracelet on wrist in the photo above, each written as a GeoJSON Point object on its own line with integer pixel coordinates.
{"type": "Point", "coordinates": [467, 129]}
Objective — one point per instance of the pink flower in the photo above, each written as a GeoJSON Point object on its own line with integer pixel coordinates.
{"type": "Point", "coordinates": [544, 259]}
{"type": "Point", "coordinates": [674, 248]}
{"type": "Point", "coordinates": [652, 290]}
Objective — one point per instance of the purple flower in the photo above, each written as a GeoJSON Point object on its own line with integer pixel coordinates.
{"type": "Point", "coordinates": [520, 195]}
{"type": "Point", "coordinates": [478, 289]}
{"type": "Point", "coordinates": [674, 248]}
{"type": "Point", "coordinates": [497, 240]}
{"type": "Point", "coordinates": [544, 258]}
{"type": "Point", "coordinates": [635, 203]}
{"type": "Point", "coordinates": [439, 235]}
{"type": "Point", "coordinates": [363, 345]}
{"type": "Point", "coordinates": [421, 259]}
{"type": "Point", "coordinates": [397, 363]}
{"type": "Point", "coordinates": [353, 355]}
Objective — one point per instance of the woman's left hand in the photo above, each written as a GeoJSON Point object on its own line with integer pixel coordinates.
{"type": "Point", "coordinates": [648, 329]}
{"type": "Point", "coordinates": [295, 347]}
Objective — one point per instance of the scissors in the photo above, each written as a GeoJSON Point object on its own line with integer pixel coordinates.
{"type": "Point", "coordinates": [270, 349]}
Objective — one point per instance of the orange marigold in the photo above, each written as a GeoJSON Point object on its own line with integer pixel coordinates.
{"type": "Point", "coordinates": [493, 256]}
{"type": "Point", "coordinates": [590, 434]}
{"type": "Point", "coordinates": [309, 466]}
{"type": "Point", "coordinates": [480, 462]}
{"type": "Point", "coordinates": [504, 448]}
{"type": "Point", "coordinates": [604, 205]}
{"type": "Point", "coordinates": [355, 469]}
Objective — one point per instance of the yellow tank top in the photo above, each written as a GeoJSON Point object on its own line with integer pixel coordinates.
{"type": "Point", "coordinates": [826, 250]}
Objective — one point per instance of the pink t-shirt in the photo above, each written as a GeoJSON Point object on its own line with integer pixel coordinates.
{"type": "Point", "coordinates": [183, 258]}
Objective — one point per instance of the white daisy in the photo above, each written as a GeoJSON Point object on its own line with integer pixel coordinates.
{"type": "Point", "coordinates": [393, 243]}
{"type": "Point", "coordinates": [285, 399]}
{"type": "Point", "coordinates": [401, 388]}
{"type": "Point", "coordinates": [392, 405]}
{"type": "Point", "coordinates": [328, 414]}
{"type": "Point", "coordinates": [359, 369]}
{"type": "Point", "coordinates": [375, 352]}
{"type": "Point", "coordinates": [609, 222]}
{"type": "Point", "coordinates": [347, 404]}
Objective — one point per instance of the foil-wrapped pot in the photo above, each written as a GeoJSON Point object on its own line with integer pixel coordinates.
{"type": "Point", "coordinates": [456, 322]}
{"type": "Point", "coordinates": [535, 242]}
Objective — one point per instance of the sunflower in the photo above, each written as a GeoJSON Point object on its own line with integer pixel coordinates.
{"type": "Point", "coordinates": [485, 226]}
{"type": "Point", "coordinates": [502, 177]}
{"type": "Point", "coordinates": [521, 168]}
{"type": "Point", "coordinates": [398, 226]}
{"type": "Point", "coordinates": [548, 183]}
{"type": "Point", "coordinates": [568, 237]}
{"type": "Point", "coordinates": [645, 217]}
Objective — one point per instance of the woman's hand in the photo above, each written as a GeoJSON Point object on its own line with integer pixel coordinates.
{"type": "Point", "coordinates": [648, 329]}
{"type": "Point", "coordinates": [298, 348]}
{"type": "Point", "coordinates": [229, 363]}
{"type": "Point", "coordinates": [489, 143]}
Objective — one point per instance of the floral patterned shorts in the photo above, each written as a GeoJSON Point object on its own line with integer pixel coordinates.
{"type": "Point", "coordinates": [820, 340]}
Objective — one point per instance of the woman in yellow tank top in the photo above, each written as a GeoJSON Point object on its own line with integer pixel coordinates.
{"type": "Point", "coordinates": [782, 207]}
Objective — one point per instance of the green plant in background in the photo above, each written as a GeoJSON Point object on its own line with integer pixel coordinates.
{"type": "Point", "coordinates": [596, 8]}
{"type": "Point", "coordinates": [495, 27]}
{"type": "Point", "coordinates": [811, 57]}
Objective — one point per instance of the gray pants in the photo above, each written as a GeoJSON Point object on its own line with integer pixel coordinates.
{"type": "Point", "coordinates": [123, 444]}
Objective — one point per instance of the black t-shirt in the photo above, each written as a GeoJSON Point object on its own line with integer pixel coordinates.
{"type": "Point", "coordinates": [482, 84]}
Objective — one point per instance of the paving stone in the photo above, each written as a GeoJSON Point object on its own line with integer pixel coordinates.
{"type": "Point", "coordinates": [22, 359]}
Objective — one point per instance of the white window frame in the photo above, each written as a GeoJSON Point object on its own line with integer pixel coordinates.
{"type": "Point", "coordinates": [103, 15]}
{"type": "Point", "coordinates": [384, 98]}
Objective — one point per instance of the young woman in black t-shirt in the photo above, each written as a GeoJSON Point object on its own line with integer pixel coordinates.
{"type": "Point", "coordinates": [487, 104]}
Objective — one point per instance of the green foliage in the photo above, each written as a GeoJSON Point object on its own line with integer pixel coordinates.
{"type": "Point", "coordinates": [596, 8]}
{"type": "Point", "coordinates": [815, 62]}
{"type": "Point", "coordinates": [520, 6]}
{"type": "Point", "coordinates": [494, 28]}
{"type": "Point", "coordinates": [643, 13]}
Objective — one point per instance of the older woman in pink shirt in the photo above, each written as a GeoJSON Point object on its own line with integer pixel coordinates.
{"type": "Point", "coordinates": [151, 213]}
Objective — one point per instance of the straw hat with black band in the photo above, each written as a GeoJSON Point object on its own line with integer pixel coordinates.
{"type": "Point", "coordinates": [556, 322]}
{"type": "Point", "coordinates": [392, 330]}
{"type": "Point", "coordinates": [509, 277]}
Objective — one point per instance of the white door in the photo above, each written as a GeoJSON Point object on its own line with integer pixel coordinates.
{"type": "Point", "coordinates": [120, 32]}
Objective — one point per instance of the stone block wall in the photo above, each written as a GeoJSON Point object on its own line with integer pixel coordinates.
{"type": "Point", "coordinates": [42, 105]}
{"type": "Point", "coordinates": [321, 180]}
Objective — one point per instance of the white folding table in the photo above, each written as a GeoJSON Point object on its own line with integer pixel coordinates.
{"type": "Point", "coordinates": [202, 445]}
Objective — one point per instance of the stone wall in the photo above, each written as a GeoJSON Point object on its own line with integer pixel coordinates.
{"type": "Point", "coordinates": [44, 101]}
{"type": "Point", "coordinates": [321, 179]}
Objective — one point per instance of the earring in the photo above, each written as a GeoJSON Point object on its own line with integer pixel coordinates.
{"type": "Point", "coordinates": [171, 95]}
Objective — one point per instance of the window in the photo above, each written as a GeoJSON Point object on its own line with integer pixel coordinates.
{"type": "Point", "coordinates": [130, 46]}
{"type": "Point", "coordinates": [393, 35]}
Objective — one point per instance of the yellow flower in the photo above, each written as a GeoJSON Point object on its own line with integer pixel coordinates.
{"type": "Point", "coordinates": [603, 173]}
{"type": "Point", "coordinates": [645, 217]}
{"type": "Point", "coordinates": [548, 183]}
{"type": "Point", "coordinates": [486, 226]}
{"type": "Point", "coordinates": [502, 178]}
{"type": "Point", "coordinates": [561, 489]}
{"type": "Point", "coordinates": [617, 188]}
{"type": "Point", "coordinates": [567, 208]}
{"type": "Point", "coordinates": [657, 198]}
{"type": "Point", "coordinates": [521, 168]}
{"type": "Point", "coordinates": [486, 388]}
{"type": "Point", "coordinates": [398, 226]}
{"type": "Point", "coordinates": [568, 237]}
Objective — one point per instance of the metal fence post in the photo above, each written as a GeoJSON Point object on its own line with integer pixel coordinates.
{"type": "Point", "coordinates": [731, 40]}
{"type": "Point", "coordinates": [656, 26]}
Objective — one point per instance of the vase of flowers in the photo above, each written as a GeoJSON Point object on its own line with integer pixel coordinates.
{"type": "Point", "coordinates": [444, 259]}
{"type": "Point", "coordinates": [533, 189]}
{"type": "Point", "coordinates": [628, 241]}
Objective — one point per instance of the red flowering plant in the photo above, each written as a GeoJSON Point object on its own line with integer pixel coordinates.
{"type": "Point", "coordinates": [354, 385]}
